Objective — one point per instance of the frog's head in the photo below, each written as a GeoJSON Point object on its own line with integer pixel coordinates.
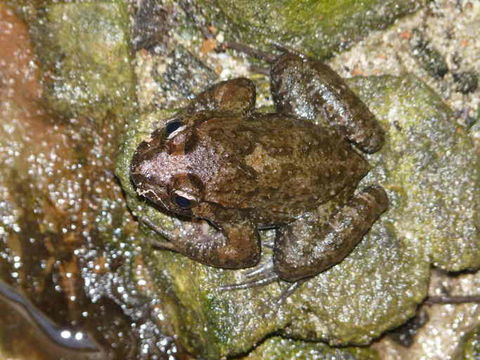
{"type": "Point", "coordinates": [160, 169]}
{"type": "Point", "coordinates": [177, 166]}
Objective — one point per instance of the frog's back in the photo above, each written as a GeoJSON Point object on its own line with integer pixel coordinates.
{"type": "Point", "coordinates": [279, 164]}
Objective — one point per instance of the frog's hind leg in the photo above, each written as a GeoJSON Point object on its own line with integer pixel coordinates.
{"type": "Point", "coordinates": [305, 248]}
{"type": "Point", "coordinates": [309, 89]}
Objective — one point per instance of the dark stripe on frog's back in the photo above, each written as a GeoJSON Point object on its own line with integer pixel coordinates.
{"type": "Point", "coordinates": [279, 164]}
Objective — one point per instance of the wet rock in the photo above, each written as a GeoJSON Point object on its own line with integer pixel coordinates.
{"type": "Point", "coordinates": [430, 171]}
{"type": "Point", "coordinates": [163, 79]}
{"type": "Point", "coordinates": [85, 53]}
{"type": "Point", "coordinates": [427, 56]}
{"type": "Point", "coordinates": [435, 167]}
{"type": "Point", "coordinates": [184, 75]}
{"type": "Point", "coordinates": [446, 334]}
{"type": "Point", "coordinates": [67, 239]}
{"type": "Point", "coordinates": [472, 345]}
{"type": "Point", "coordinates": [152, 25]}
{"type": "Point", "coordinates": [277, 348]}
{"type": "Point", "coordinates": [315, 27]}
{"type": "Point", "coordinates": [404, 334]}
{"type": "Point", "coordinates": [466, 81]}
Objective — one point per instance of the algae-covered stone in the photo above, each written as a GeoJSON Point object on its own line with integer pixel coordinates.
{"type": "Point", "coordinates": [318, 27]}
{"type": "Point", "coordinates": [472, 345]}
{"type": "Point", "coordinates": [429, 169]}
{"type": "Point", "coordinates": [277, 348]}
{"type": "Point", "coordinates": [85, 54]}
{"type": "Point", "coordinates": [433, 169]}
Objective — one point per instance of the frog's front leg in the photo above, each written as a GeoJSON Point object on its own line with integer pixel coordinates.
{"type": "Point", "coordinates": [235, 246]}
{"type": "Point", "coordinates": [236, 96]}
{"type": "Point", "coordinates": [305, 248]}
{"type": "Point", "coordinates": [307, 88]}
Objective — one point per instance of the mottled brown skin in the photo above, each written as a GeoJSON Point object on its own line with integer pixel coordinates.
{"type": "Point", "coordinates": [310, 89]}
{"type": "Point", "coordinates": [241, 170]}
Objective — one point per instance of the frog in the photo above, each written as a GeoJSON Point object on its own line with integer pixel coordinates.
{"type": "Point", "coordinates": [221, 163]}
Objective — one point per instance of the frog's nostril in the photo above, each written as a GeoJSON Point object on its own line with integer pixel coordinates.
{"type": "Point", "coordinates": [141, 174]}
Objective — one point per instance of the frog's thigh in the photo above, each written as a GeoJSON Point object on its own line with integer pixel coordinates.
{"type": "Point", "coordinates": [306, 248]}
{"type": "Point", "coordinates": [235, 96]}
{"type": "Point", "coordinates": [308, 88]}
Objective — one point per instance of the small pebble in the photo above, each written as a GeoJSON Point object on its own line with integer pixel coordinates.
{"type": "Point", "coordinates": [467, 81]}
{"type": "Point", "coordinates": [428, 57]}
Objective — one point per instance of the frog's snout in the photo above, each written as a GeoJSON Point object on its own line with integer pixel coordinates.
{"type": "Point", "coordinates": [147, 188]}
{"type": "Point", "coordinates": [138, 179]}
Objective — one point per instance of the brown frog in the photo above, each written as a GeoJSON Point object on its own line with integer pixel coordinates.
{"type": "Point", "coordinates": [240, 170]}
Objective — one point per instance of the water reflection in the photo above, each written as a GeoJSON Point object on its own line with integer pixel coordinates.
{"type": "Point", "coordinates": [24, 325]}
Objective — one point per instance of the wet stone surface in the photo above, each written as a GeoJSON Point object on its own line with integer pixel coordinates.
{"type": "Point", "coordinates": [472, 345]}
{"type": "Point", "coordinates": [317, 27]}
{"type": "Point", "coordinates": [72, 246]}
{"type": "Point", "coordinates": [84, 50]}
{"type": "Point", "coordinates": [67, 239]}
{"type": "Point", "coordinates": [276, 348]}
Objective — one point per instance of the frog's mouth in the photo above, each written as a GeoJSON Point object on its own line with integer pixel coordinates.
{"type": "Point", "coordinates": [144, 187]}
{"type": "Point", "coordinates": [157, 196]}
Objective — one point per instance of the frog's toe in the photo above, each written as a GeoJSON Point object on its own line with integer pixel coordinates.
{"type": "Point", "coordinates": [265, 268]}
{"type": "Point", "coordinates": [260, 276]}
{"type": "Point", "coordinates": [268, 244]}
{"type": "Point", "coordinates": [289, 291]}
{"type": "Point", "coordinates": [265, 280]}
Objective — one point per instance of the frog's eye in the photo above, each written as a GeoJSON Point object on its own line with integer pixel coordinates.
{"type": "Point", "coordinates": [182, 201]}
{"type": "Point", "coordinates": [172, 127]}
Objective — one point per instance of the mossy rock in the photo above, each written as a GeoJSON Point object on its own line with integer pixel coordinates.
{"type": "Point", "coordinates": [277, 348]}
{"type": "Point", "coordinates": [317, 27]}
{"type": "Point", "coordinates": [430, 170]}
{"type": "Point", "coordinates": [472, 345]}
{"type": "Point", "coordinates": [85, 55]}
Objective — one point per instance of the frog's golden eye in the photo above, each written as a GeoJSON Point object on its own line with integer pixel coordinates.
{"type": "Point", "coordinates": [172, 127]}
